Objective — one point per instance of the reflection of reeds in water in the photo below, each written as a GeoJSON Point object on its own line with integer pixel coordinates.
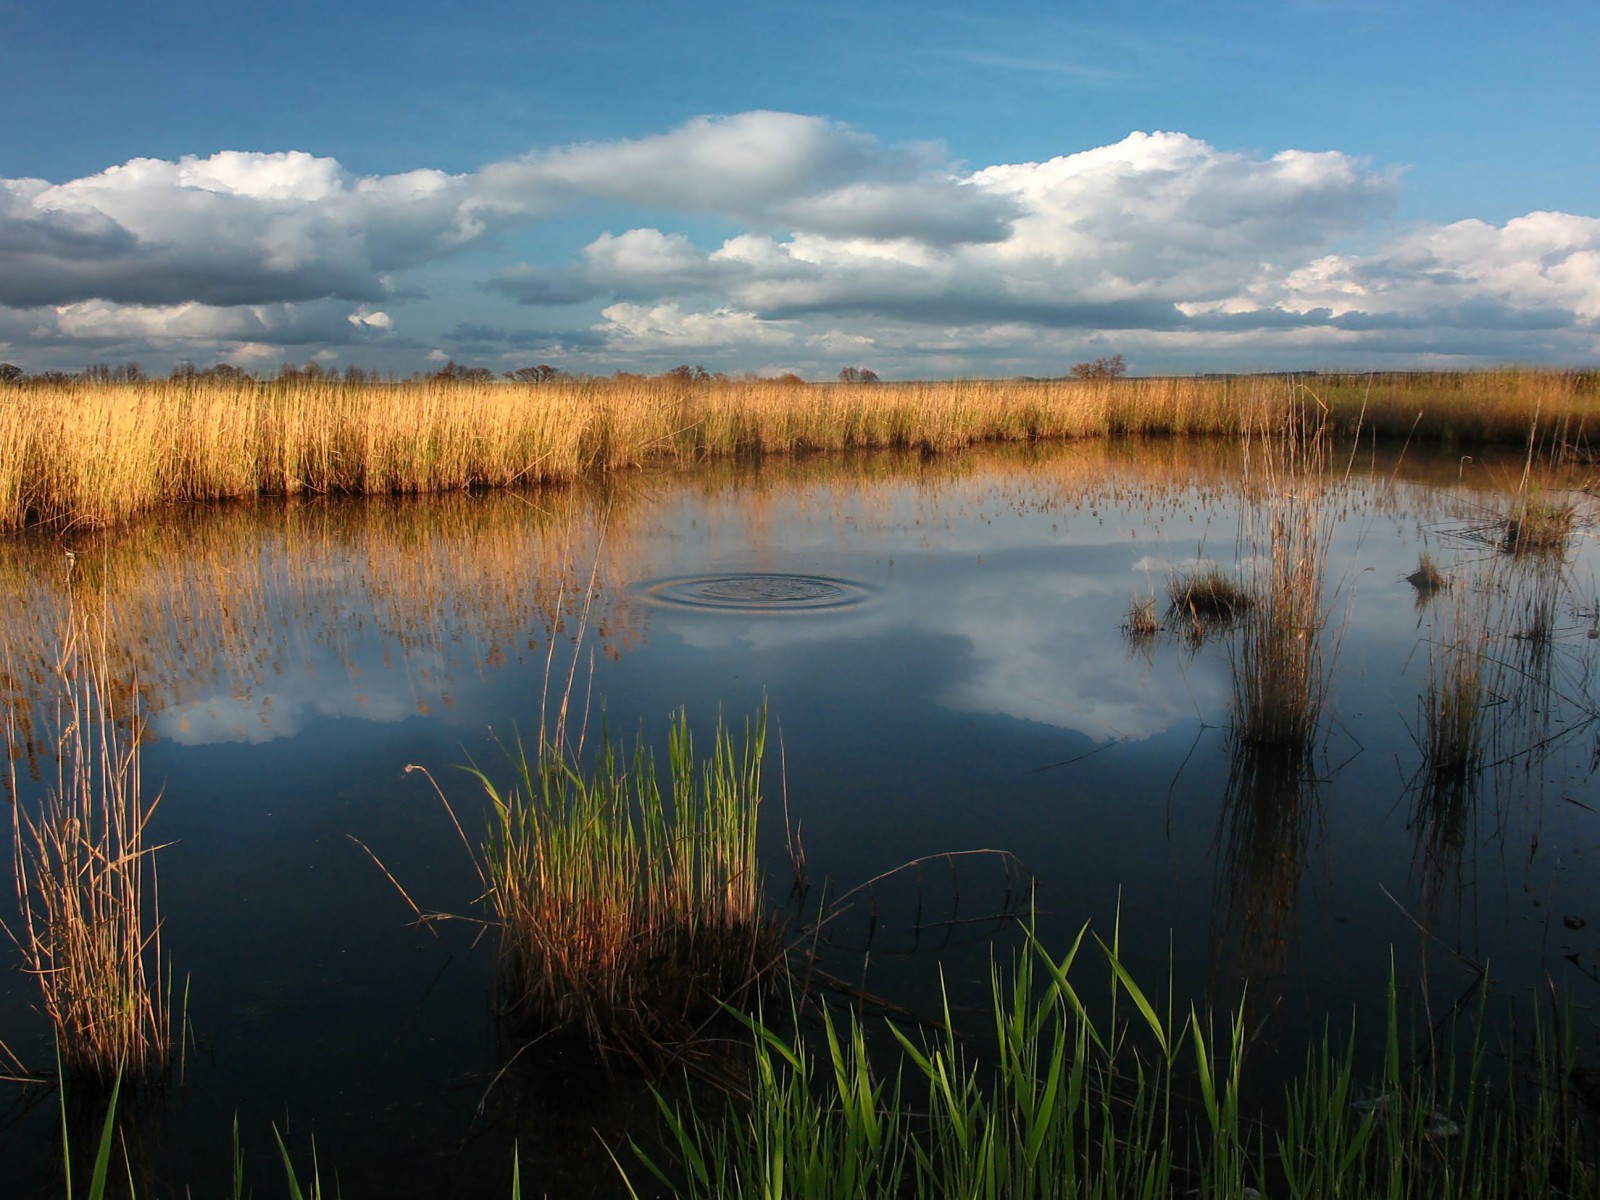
{"type": "Point", "coordinates": [221, 601]}
{"type": "Point", "coordinates": [89, 927]}
{"type": "Point", "coordinates": [1454, 700]}
{"type": "Point", "coordinates": [1268, 812]}
{"type": "Point", "coordinates": [626, 912]}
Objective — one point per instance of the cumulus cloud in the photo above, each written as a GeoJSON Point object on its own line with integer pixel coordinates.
{"type": "Point", "coordinates": [1159, 244]}
{"type": "Point", "coordinates": [234, 228]}
{"type": "Point", "coordinates": [766, 168]}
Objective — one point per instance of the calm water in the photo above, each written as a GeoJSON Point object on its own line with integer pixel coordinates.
{"type": "Point", "coordinates": [939, 643]}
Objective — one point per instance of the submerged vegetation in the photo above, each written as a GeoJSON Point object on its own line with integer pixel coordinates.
{"type": "Point", "coordinates": [97, 452]}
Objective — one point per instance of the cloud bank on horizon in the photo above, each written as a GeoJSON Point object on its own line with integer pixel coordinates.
{"type": "Point", "coordinates": [776, 241]}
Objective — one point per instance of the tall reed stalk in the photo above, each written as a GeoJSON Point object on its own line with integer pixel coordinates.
{"type": "Point", "coordinates": [89, 925]}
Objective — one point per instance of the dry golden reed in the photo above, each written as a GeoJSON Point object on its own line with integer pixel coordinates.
{"type": "Point", "coordinates": [98, 453]}
{"type": "Point", "coordinates": [88, 926]}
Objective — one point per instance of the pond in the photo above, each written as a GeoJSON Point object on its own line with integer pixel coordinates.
{"type": "Point", "coordinates": [942, 646]}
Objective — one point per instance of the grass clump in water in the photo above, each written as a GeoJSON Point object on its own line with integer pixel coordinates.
{"type": "Point", "coordinates": [1141, 623]}
{"type": "Point", "coordinates": [1427, 578]}
{"type": "Point", "coordinates": [1538, 526]}
{"type": "Point", "coordinates": [1282, 654]}
{"type": "Point", "coordinates": [88, 926]}
{"type": "Point", "coordinates": [626, 912]}
{"type": "Point", "coordinates": [1207, 595]}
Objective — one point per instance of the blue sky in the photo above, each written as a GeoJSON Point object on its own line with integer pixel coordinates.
{"type": "Point", "coordinates": [924, 190]}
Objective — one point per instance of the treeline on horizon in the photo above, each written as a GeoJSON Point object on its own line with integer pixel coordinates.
{"type": "Point", "coordinates": [311, 371]}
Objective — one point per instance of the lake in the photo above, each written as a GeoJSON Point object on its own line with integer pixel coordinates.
{"type": "Point", "coordinates": [940, 643]}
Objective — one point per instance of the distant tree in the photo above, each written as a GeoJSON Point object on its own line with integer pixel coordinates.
{"type": "Point", "coordinates": [789, 379]}
{"type": "Point", "coordinates": [10, 373]}
{"type": "Point", "coordinates": [688, 374]}
{"type": "Point", "coordinates": [542, 373]}
{"type": "Point", "coordinates": [105, 373]}
{"type": "Point", "coordinates": [225, 372]}
{"type": "Point", "coordinates": [309, 370]}
{"type": "Point", "coordinates": [184, 372]}
{"type": "Point", "coordinates": [858, 375]}
{"type": "Point", "coordinates": [1101, 368]}
{"type": "Point", "coordinates": [460, 373]}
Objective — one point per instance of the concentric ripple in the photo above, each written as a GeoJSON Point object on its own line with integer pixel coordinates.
{"type": "Point", "coordinates": [754, 592]}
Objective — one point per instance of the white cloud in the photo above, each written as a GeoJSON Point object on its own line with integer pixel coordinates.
{"type": "Point", "coordinates": [235, 228]}
{"type": "Point", "coordinates": [1160, 245]}
{"type": "Point", "coordinates": [667, 327]}
{"type": "Point", "coordinates": [767, 168]}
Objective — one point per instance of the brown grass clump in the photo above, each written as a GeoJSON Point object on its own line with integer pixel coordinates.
{"type": "Point", "coordinates": [89, 928]}
{"type": "Point", "coordinates": [1427, 578]}
{"type": "Point", "coordinates": [1207, 595]}
{"type": "Point", "coordinates": [1141, 623]}
{"type": "Point", "coordinates": [1538, 526]}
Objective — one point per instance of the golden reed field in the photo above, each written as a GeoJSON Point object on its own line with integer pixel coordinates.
{"type": "Point", "coordinates": [97, 453]}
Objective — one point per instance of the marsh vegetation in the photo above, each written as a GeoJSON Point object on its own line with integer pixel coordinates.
{"type": "Point", "coordinates": [96, 452]}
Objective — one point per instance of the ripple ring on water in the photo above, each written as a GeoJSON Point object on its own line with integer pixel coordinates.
{"type": "Point", "coordinates": [754, 592]}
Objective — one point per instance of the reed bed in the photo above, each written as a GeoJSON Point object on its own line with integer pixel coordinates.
{"type": "Point", "coordinates": [89, 924]}
{"type": "Point", "coordinates": [99, 453]}
{"type": "Point", "coordinates": [626, 913]}
{"type": "Point", "coordinates": [1280, 676]}
{"type": "Point", "coordinates": [1134, 1101]}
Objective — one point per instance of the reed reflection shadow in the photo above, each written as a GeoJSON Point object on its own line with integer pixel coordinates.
{"type": "Point", "coordinates": [1270, 813]}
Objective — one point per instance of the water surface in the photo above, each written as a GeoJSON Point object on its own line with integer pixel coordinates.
{"type": "Point", "coordinates": [939, 642]}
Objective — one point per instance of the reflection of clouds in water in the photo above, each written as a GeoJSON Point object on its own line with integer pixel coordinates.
{"type": "Point", "coordinates": [328, 690]}
{"type": "Point", "coordinates": [1044, 643]}
{"type": "Point", "coordinates": [1045, 648]}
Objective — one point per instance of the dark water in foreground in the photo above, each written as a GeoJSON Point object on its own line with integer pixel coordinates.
{"type": "Point", "coordinates": [939, 643]}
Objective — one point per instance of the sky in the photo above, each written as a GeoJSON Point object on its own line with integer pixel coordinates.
{"type": "Point", "coordinates": [922, 190]}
